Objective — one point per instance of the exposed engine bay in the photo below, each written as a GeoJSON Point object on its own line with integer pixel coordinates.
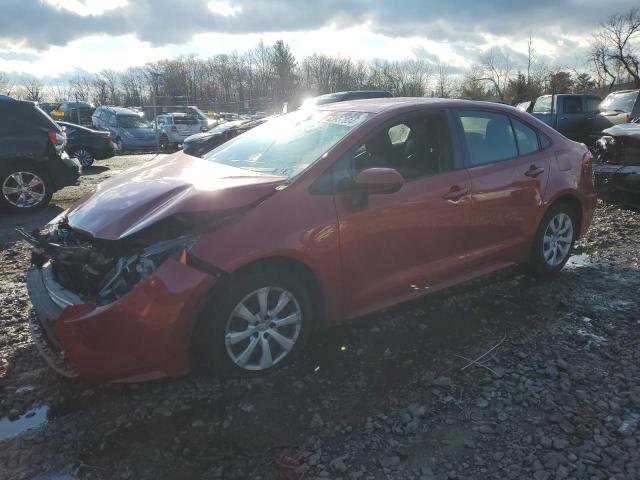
{"type": "Point", "coordinates": [101, 271]}
{"type": "Point", "coordinates": [617, 167]}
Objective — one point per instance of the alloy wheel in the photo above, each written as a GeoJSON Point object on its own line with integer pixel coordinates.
{"type": "Point", "coordinates": [84, 157]}
{"type": "Point", "coordinates": [558, 236]}
{"type": "Point", "coordinates": [263, 328]}
{"type": "Point", "coordinates": [23, 189]}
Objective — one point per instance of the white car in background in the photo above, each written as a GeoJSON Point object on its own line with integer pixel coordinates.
{"type": "Point", "coordinates": [173, 128]}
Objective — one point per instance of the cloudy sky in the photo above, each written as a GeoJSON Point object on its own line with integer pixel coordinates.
{"type": "Point", "coordinates": [55, 37]}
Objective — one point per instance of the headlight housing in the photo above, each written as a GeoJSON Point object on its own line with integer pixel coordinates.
{"type": "Point", "coordinates": [130, 271]}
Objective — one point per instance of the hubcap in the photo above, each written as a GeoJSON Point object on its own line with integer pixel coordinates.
{"type": "Point", "coordinates": [263, 328]}
{"type": "Point", "coordinates": [83, 156]}
{"type": "Point", "coordinates": [23, 189]}
{"type": "Point", "coordinates": [557, 239]}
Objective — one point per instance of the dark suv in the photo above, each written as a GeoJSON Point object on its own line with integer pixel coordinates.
{"type": "Point", "coordinates": [32, 160]}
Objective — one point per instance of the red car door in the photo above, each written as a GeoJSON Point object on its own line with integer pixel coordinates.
{"type": "Point", "coordinates": [400, 245]}
{"type": "Point", "coordinates": [509, 172]}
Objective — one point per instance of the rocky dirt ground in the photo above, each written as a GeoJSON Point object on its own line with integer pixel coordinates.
{"type": "Point", "coordinates": [554, 392]}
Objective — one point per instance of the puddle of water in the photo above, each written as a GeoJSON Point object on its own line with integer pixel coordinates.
{"type": "Point", "coordinates": [576, 261]}
{"type": "Point", "coordinates": [32, 419]}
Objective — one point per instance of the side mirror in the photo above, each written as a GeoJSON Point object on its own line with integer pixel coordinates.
{"type": "Point", "coordinates": [375, 181]}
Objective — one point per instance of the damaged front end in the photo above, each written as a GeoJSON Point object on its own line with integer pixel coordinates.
{"type": "Point", "coordinates": [77, 281]}
{"type": "Point", "coordinates": [97, 271]}
{"type": "Point", "coordinates": [617, 167]}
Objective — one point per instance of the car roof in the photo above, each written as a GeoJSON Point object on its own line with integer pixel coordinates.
{"type": "Point", "coordinates": [8, 99]}
{"type": "Point", "coordinates": [120, 110]}
{"type": "Point", "coordinates": [384, 105]}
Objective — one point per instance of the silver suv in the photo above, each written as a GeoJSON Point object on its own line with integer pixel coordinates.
{"type": "Point", "coordinates": [173, 128]}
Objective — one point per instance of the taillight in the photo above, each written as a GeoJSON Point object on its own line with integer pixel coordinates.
{"type": "Point", "coordinates": [587, 158]}
{"type": "Point", "coordinates": [56, 138]}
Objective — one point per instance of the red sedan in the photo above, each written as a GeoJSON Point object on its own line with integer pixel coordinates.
{"type": "Point", "coordinates": [314, 218]}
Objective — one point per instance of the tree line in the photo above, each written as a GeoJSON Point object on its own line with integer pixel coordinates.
{"type": "Point", "coordinates": [267, 76]}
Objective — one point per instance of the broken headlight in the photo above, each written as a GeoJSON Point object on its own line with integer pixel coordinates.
{"type": "Point", "coordinates": [131, 270]}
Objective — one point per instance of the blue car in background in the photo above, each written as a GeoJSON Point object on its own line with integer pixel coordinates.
{"type": "Point", "coordinates": [127, 127]}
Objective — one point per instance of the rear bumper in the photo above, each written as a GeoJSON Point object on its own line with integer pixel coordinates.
{"type": "Point", "coordinates": [142, 336]}
{"type": "Point", "coordinates": [64, 171]}
{"type": "Point", "coordinates": [107, 151]}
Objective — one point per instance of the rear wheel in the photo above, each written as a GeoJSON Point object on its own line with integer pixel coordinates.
{"type": "Point", "coordinates": [24, 188]}
{"type": "Point", "coordinates": [554, 240]}
{"type": "Point", "coordinates": [258, 324]}
{"type": "Point", "coordinates": [84, 156]}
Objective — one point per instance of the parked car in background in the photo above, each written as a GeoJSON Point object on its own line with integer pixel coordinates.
{"type": "Point", "coordinates": [571, 115]}
{"type": "Point", "coordinates": [127, 127]}
{"type": "Point", "coordinates": [206, 122]}
{"type": "Point", "coordinates": [617, 166]}
{"type": "Point", "coordinates": [173, 128]}
{"type": "Point", "coordinates": [617, 108]}
{"type": "Point", "coordinates": [75, 112]}
{"type": "Point", "coordinates": [308, 220]}
{"type": "Point", "coordinates": [344, 96]}
{"type": "Point", "coordinates": [33, 164]}
{"type": "Point", "coordinates": [87, 145]}
{"type": "Point", "coordinates": [200, 143]}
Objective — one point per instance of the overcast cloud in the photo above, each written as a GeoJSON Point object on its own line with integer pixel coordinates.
{"type": "Point", "coordinates": [559, 27]}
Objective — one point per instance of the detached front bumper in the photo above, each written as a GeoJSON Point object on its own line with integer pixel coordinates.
{"type": "Point", "coordinates": [142, 336]}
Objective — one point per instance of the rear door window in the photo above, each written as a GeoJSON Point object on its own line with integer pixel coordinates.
{"type": "Point", "coordinates": [488, 136]}
{"type": "Point", "coordinates": [593, 105]}
{"type": "Point", "coordinates": [526, 137]}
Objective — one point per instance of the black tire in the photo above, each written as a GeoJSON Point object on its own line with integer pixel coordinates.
{"type": "Point", "coordinates": [164, 142]}
{"type": "Point", "coordinates": [11, 201]}
{"type": "Point", "coordinates": [211, 329]}
{"type": "Point", "coordinates": [538, 263]}
{"type": "Point", "coordinates": [84, 156]}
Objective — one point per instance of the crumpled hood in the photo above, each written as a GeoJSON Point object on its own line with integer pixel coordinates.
{"type": "Point", "coordinates": [624, 130]}
{"type": "Point", "coordinates": [138, 198]}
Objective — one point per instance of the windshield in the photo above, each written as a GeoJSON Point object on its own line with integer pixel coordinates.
{"type": "Point", "coordinates": [288, 144]}
{"type": "Point", "coordinates": [621, 102]}
{"type": "Point", "coordinates": [132, 121]}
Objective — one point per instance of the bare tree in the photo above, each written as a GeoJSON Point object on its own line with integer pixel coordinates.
{"type": "Point", "coordinates": [444, 84]}
{"type": "Point", "coordinates": [33, 89]}
{"type": "Point", "coordinates": [496, 69]}
{"type": "Point", "coordinates": [615, 49]}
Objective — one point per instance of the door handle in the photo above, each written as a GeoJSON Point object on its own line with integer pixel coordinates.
{"type": "Point", "coordinates": [455, 193]}
{"type": "Point", "coordinates": [534, 171]}
{"type": "Point", "coordinates": [563, 118]}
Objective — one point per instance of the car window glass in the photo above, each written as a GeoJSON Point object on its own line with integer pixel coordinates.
{"type": "Point", "coordinates": [422, 147]}
{"type": "Point", "coordinates": [572, 105]}
{"type": "Point", "coordinates": [593, 105]}
{"type": "Point", "coordinates": [488, 136]}
{"type": "Point", "coordinates": [526, 137]}
{"type": "Point", "coordinates": [542, 105]}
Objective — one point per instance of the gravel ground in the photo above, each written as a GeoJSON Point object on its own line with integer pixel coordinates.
{"type": "Point", "coordinates": [395, 395]}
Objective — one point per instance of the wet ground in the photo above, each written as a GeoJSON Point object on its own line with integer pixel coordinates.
{"type": "Point", "coordinates": [505, 377]}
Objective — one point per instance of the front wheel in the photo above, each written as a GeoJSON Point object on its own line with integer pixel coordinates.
{"type": "Point", "coordinates": [260, 323]}
{"type": "Point", "coordinates": [554, 240]}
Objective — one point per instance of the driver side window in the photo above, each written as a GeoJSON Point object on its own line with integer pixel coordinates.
{"type": "Point", "coordinates": [417, 147]}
